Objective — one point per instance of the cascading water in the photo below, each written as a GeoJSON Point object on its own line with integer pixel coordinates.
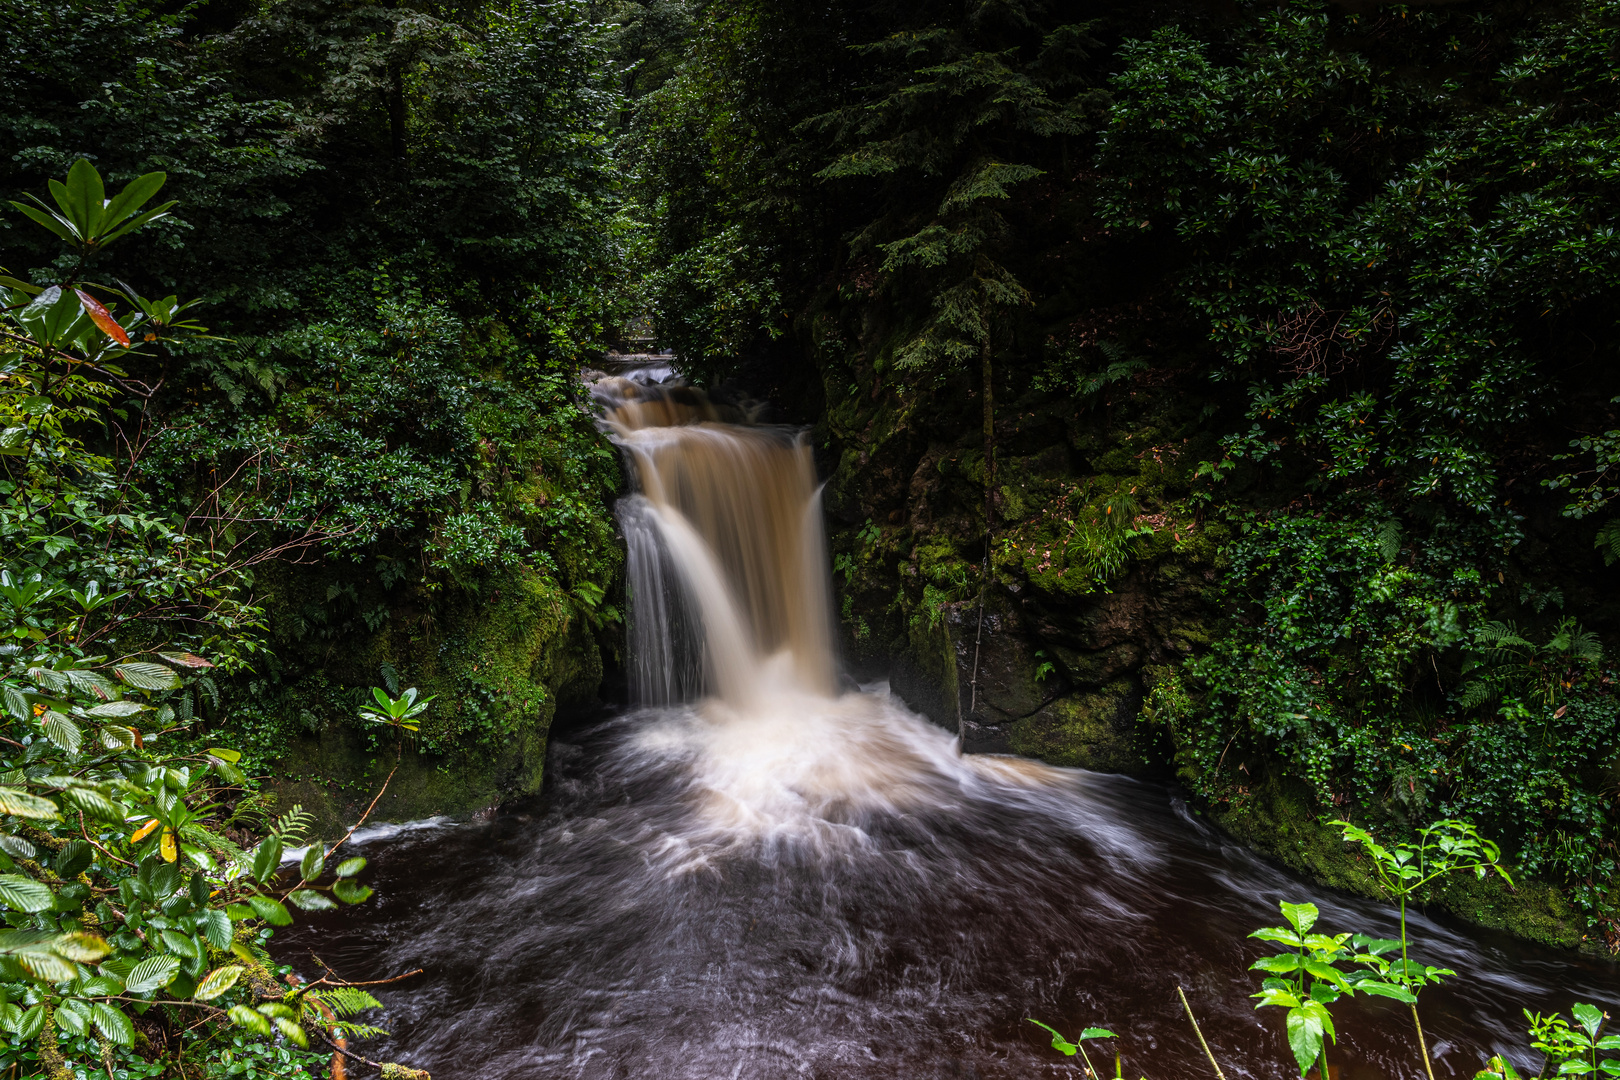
{"type": "Point", "coordinates": [728, 578]}
{"type": "Point", "coordinates": [750, 875]}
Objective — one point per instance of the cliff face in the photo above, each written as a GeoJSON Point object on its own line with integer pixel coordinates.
{"type": "Point", "coordinates": [1070, 651]}
{"type": "Point", "coordinates": [1099, 566]}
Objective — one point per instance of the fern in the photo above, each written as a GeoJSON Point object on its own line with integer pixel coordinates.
{"type": "Point", "coordinates": [347, 1000]}
{"type": "Point", "coordinates": [1575, 642]}
{"type": "Point", "coordinates": [1608, 541]}
{"type": "Point", "coordinates": [294, 826]}
{"type": "Point", "coordinates": [390, 678]}
{"type": "Point", "coordinates": [1389, 541]}
{"type": "Point", "coordinates": [1477, 693]}
{"type": "Point", "coordinates": [1500, 638]}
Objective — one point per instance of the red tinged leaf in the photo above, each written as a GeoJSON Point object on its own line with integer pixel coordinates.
{"type": "Point", "coordinates": [186, 659]}
{"type": "Point", "coordinates": [102, 318]}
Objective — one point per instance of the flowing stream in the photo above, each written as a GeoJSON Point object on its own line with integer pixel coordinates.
{"type": "Point", "coordinates": [752, 875]}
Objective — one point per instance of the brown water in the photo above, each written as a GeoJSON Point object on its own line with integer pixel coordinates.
{"type": "Point", "coordinates": [751, 875]}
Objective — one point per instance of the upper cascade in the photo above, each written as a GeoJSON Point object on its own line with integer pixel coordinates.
{"type": "Point", "coordinates": [729, 593]}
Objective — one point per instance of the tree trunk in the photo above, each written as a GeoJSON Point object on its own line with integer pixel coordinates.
{"type": "Point", "coordinates": [396, 112]}
{"type": "Point", "coordinates": [989, 452]}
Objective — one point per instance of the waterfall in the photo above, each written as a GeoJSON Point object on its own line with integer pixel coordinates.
{"type": "Point", "coordinates": [729, 595]}
{"type": "Point", "coordinates": [750, 876]}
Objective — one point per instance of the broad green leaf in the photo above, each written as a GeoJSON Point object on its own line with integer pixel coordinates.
{"type": "Point", "coordinates": [270, 911]}
{"type": "Point", "coordinates": [31, 1023]}
{"type": "Point", "coordinates": [62, 731]}
{"type": "Point", "coordinates": [112, 1023]}
{"type": "Point", "coordinates": [1281, 964]}
{"type": "Point", "coordinates": [350, 867]}
{"type": "Point", "coordinates": [19, 803]}
{"type": "Point", "coordinates": [17, 847]}
{"type": "Point", "coordinates": [100, 986]}
{"type": "Point", "coordinates": [178, 944]}
{"type": "Point", "coordinates": [73, 1017]}
{"type": "Point", "coordinates": [93, 803]}
{"type": "Point", "coordinates": [313, 862]}
{"type": "Point", "coordinates": [218, 982]}
{"type": "Point", "coordinates": [140, 221]}
{"type": "Point", "coordinates": [148, 676]}
{"type": "Point", "coordinates": [1383, 989]}
{"type": "Point", "coordinates": [1376, 946]}
{"type": "Point", "coordinates": [1304, 1037]}
{"type": "Point", "coordinates": [153, 973]}
{"type": "Point", "coordinates": [292, 1030]}
{"type": "Point", "coordinates": [82, 198]}
{"type": "Point", "coordinates": [81, 946]}
{"type": "Point", "coordinates": [117, 737]}
{"type": "Point", "coordinates": [232, 756]}
{"type": "Point", "coordinates": [350, 891]}
{"type": "Point", "coordinates": [1327, 973]}
{"type": "Point", "coordinates": [1273, 995]}
{"type": "Point", "coordinates": [267, 858]}
{"type": "Point", "coordinates": [217, 928]}
{"type": "Point", "coordinates": [135, 193]}
{"type": "Point", "coordinates": [1059, 1043]}
{"type": "Point", "coordinates": [116, 708]}
{"type": "Point", "coordinates": [73, 858]}
{"type": "Point", "coordinates": [1279, 934]}
{"type": "Point", "coordinates": [1300, 916]}
{"type": "Point", "coordinates": [1589, 1017]}
{"type": "Point", "coordinates": [165, 879]}
{"type": "Point", "coordinates": [247, 1018]}
{"type": "Point", "coordinates": [24, 893]}
{"type": "Point", "coordinates": [92, 682]}
{"type": "Point", "coordinates": [50, 221]}
{"type": "Point", "coordinates": [310, 900]}
{"type": "Point", "coordinates": [1097, 1033]}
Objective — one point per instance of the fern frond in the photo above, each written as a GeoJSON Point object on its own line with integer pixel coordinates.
{"type": "Point", "coordinates": [347, 1000]}
{"type": "Point", "coordinates": [1608, 541]}
{"type": "Point", "coordinates": [1576, 642]}
{"type": "Point", "coordinates": [1500, 637]}
{"type": "Point", "coordinates": [208, 686]}
{"type": "Point", "coordinates": [1389, 540]}
{"type": "Point", "coordinates": [1477, 693]}
{"type": "Point", "coordinates": [294, 825]}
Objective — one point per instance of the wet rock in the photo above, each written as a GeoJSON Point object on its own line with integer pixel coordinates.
{"type": "Point", "coordinates": [1088, 730]}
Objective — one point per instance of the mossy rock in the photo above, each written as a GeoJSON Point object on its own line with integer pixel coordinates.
{"type": "Point", "coordinates": [498, 664]}
{"type": "Point", "coordinates": [1090, 730]}
{"type": "Point", "coordinates": [1276, 819]}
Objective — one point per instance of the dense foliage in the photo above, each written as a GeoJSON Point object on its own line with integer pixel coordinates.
{"type": "Point", "coordinates": [1320, 298]}
{"type": "Point", "coordinates": [397, 221]}
{"type": "Point", "coordinates": [134, 916]}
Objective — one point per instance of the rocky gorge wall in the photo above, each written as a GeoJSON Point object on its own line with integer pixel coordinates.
{"type": "Point", "coordinates": [1062, 662]}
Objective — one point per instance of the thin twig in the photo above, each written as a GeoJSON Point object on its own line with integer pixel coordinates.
{"type": "Point", "coordinates": [319, 1034]}
{"type": "Point", "coordinates": [84, 833]}
{"type": "Point", "coordinates": [324, 981]}
{"type": "Point", "coordinates": [304, 881]}
{"type": "Point", "coordinates": [1200, 1033]}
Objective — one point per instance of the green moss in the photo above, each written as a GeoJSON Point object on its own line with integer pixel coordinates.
{"type": "Point", "coordinates": [498, 663]}
{"type": "Point", "coordinates": [1274, 817]}
{"type": "Point", "coordinates": [1088, 731]}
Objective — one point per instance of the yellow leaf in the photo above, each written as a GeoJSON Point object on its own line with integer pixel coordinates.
{"type": "Point", "coordinates": [144, 831]}
{"type": "Point", "coordinates": [170, 851]}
